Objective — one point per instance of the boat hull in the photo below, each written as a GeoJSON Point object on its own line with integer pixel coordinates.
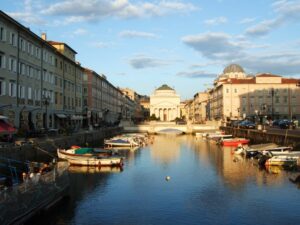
{"type": "Point", "coordinates": [79, 160]}
{"type": "Point", "coordinates": [234, 142]}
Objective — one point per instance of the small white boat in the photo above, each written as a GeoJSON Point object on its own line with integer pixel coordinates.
{"type": "Point", "coordinates": [121, 142]}
{"type": "Point", "coordinates": [84, 160]}
{"type": "Point", "coordinates": [282, 161]}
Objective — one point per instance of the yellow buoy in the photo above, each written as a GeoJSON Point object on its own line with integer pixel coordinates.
{"type": "Point", "coordinates": [168, 178]}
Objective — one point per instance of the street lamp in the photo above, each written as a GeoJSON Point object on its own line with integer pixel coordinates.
{"type": "Point", "coordinates": [46, 102]}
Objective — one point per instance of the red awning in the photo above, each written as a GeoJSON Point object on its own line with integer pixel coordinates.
{"type": "Point", "coordinates": [6, 128]}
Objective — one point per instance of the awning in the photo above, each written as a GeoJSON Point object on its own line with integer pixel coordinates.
{"type": "Point", "coordinates": [61, 115]}
{"type": "Point", "coordinates": [6, 128]}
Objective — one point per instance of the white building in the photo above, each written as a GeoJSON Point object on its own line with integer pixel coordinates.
{"type": "Point", "coordinates": [165, 103]}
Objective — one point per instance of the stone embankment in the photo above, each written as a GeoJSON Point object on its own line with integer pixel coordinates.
{"type": "Point", "coordinates": [42, 149]}
{"type": "Point", "coordinates": [283, 137]}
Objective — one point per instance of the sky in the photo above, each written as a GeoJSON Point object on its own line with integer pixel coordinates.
{"type": "Point", "coordinates": [142, 44]}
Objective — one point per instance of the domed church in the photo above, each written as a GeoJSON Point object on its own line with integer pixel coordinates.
{"type": "Point", "coordinates": [234, 71]}
{"type": "Point", "coordinates": [165, 103]}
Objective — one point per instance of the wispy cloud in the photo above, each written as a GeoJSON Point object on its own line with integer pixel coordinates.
{"type": "Point", "coordinates": [29, 15]}
{"type": "Point", "coordinates": [143, 62]}
{"type": "Point", "coordinates": [264, 27]}
{"type": "Point", "coordinates": [94, 10]}
{"type": "Point", "coordinates": [214, 45]}
{"type": "Point", "coordinates": [100, 44]}
{"type": "Point", "coordinates": [247, 20]}
{"type": "Point", "coordinates": [196, 74]}
{"type": "Point", "coordinates": [285, 10]}
{"type": "Point", "coordinates": [137, 34]}
{"type": "Point", "coordinates": [216, 21]}
{"type": "Point", "coordinates": [80, 31]}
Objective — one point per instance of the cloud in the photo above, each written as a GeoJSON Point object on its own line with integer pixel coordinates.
{"type": "Point", "coordinates": [80, 31]}
{"type": "Point", "coordinates": [94, 10]}
{"type": "Point", "coordinates": [143, 62]}
{"type": "Point", "coordinates": [29, 15]}
{"type": "Point", "coordinates": [286, 11]}
{"type": "Point", "coordinates": [284, 63]}
{"type": "Point", "coordinates": [100, 44]}
{"type": "Point", "coordinates": [216, 21]}
{"type": "Point", "coordinates": [137, 34]}
{"type": "Point", "coordinates": [214, 45]}
{"type": "Point", "coordinates": [196, 74]}
{"type": "Point", "coordinates": [247, 20]}
{"type": "Point", "coordinates": [264, 27]}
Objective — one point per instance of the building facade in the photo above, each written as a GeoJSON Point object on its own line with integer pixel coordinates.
{"type": "Point", "coordinates": [41, 84]}
{"type": "Point", "coordinates": [165, 103]}
{"type": "Point", "coordinates": [237, 96]}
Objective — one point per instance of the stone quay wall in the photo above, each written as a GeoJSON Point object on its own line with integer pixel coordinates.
{"type": "Point", "coordinates": [260, 136]}
{"type": "Point", "coordinates": [43, 149]}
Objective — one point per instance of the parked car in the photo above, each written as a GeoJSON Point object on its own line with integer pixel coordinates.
{"type": "Point", "coordinates": [246, 124]}
{"type": "Point", "coordinates": [275, 123]}
{"type": "Point", "coordinates": [235, 123]}
{"type": "Point", "coordinates": [285, 124]}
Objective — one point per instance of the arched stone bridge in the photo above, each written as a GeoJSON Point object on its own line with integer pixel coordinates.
{"type": "Point", "coordinates": [154, 127]}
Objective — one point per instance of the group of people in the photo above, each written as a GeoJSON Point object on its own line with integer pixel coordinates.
{"type": "Point", "coordinates": [36, 172]}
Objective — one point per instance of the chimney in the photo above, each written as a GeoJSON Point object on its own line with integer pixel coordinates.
{"type": "Point", "coordinates": [44, 36]}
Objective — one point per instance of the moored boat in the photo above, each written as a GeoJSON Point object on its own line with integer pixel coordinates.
{"type": "Point", "coordinates": [93, 160]}
{"type": "Point", "coordinates": [282, 161]}
{"type": "Point", "coordinates": [234, 142]}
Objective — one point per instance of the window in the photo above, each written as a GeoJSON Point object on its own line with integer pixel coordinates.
{"type": "Point", "coordinates": [21, 91]}
{"type": "Point", "coordinates": [2, 87]}
{"type": "Point", "coordinates": [12, 89]}
{"type": "Point", "coordinates": [285, 99]}
{"type": "Point", "coordinates": [276, 99]}
{"type": "Point", "coordinates": [2, 34]}
{"type": "Point", "coordinates": [235, 90]}
{"type": "Point", "coordinates": [2, 60]}
{"type": "Point", "coordinates": [29, 93]}
{"type": "Point", "coordinates": [13, 39]}
{"type": "Point", "coordinates": [12, 64]}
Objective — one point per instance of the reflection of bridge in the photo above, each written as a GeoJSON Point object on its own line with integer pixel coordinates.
{"type": "Point", "coordinates": [154, 127]}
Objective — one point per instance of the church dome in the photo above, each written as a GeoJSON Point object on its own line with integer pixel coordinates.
{"type": "Point", "coordinates": [233, 68]}
{"type": "Point", "coordinates": [164, 87]}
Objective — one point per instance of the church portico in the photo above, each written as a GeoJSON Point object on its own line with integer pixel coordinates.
{"type": "Point", "coordinates": [164, 104]}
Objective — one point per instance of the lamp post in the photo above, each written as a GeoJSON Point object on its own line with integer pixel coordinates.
{"type": "Point", "coordinates": [272, 94]}
{"type": "Point", "coordinates": [46, 103]}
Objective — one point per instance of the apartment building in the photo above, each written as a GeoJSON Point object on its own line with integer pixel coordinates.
{"type": "Point", "coordinates": [237, 96]}
{"type": "Point", "coordinates": [103, 102]}
{"type": "Point", "coordinates": [26, 76]}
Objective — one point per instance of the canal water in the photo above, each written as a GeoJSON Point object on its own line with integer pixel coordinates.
{"type": "Point", "coordinates": [207, 185]}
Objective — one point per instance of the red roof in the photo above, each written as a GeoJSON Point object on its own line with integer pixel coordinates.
{"type": "Point", "coordinates": [267, 75]}
{"type": "Point", "coordinates": [290, 81]}
{"type": "Point", "coordinates": [240, 81]}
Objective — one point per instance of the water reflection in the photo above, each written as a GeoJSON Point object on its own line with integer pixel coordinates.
{"type": "Point", "coordinates": [95, 169]}
{"type": "Point", "coordinates": [166, 148]}
{"type": "Point", "coordinates": [208, 185]}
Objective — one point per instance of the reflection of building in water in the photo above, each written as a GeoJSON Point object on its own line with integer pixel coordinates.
{"type": "Point", "coordinates": [165, 149]}
{"type": "Point", "coordinates": [235, 171]}
{"type": "Point", "coordinates": [238, 171]}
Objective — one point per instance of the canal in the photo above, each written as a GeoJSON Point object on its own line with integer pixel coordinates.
{"type": "Point", "coordinates": [207, 185]}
